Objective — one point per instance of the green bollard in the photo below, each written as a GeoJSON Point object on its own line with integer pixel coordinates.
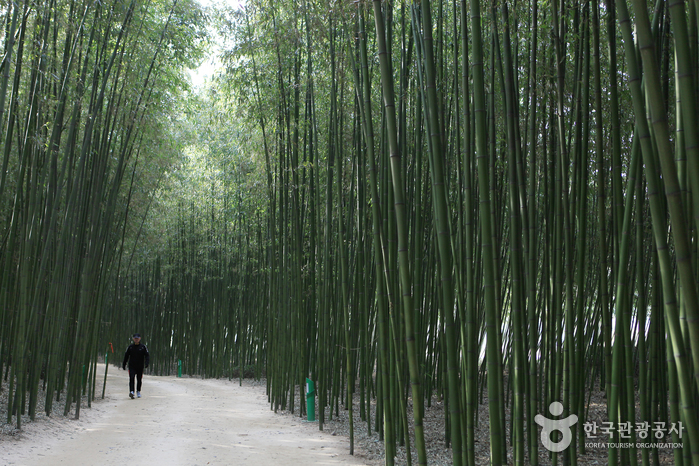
{"type": "Point", "coordinates": [179, 368]}
{"type": "Point", "coordinates": [310, 400]}
{"type": "Point", "coordinates": [106, 368]}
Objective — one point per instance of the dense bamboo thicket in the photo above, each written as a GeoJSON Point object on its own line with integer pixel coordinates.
{"type": "Point", "coordinates": [402, 201]}
{"type": "Point", "coordinates": [83, 89]}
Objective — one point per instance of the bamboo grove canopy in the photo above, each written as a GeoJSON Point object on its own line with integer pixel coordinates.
{"type": "Point", "coordinates": [486, 202]}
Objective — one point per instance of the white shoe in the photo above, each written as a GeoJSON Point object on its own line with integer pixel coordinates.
{"type": "Point", "coordinates": [131, 395]}
{"type": "Point", "coordinates": [139, 394]}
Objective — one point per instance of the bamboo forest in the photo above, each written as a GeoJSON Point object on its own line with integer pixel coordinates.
{"type": "Point", "coordinates": [490, 205]}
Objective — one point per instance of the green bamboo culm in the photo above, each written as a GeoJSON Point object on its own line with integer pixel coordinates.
{"type": "Point", "coordinates": [443, 230]}
{"type": "Point", "coordinates": [402, 228]}
{"type": "Point", "coordinates": [493, 350]}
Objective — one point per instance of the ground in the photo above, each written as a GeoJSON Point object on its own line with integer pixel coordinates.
{"type": "Point", "coordinates": [179, 421]}
{"type": "Point", "coordinates": [190, 421]}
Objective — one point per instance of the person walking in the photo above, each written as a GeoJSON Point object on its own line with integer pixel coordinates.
{"type": "Point", "coordinates": [138, 358]}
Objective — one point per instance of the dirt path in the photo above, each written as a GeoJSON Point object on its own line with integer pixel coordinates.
{"type": "Point", "coordinates": [179, 421]}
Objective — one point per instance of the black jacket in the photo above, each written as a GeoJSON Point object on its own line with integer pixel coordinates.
{"type": "Point", "coordinates": [137, 356]}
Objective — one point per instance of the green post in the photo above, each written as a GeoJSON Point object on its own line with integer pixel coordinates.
{"type": "Point", "coordinates": [310, 400]}
{"type": "Point", "coordinates": [106, 368]}
{"type": "Point", "coordinates": [179, 368]}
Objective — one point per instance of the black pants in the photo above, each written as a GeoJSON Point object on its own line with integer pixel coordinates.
{"type": "Point", "coordinates": [136, 372]}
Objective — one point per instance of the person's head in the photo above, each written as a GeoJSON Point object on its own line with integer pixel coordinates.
{"type": "Point", "coordinates": [136, 338]}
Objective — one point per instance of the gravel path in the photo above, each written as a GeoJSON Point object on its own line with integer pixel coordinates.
{"type": "Point", "coordinates": [179, 421]}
